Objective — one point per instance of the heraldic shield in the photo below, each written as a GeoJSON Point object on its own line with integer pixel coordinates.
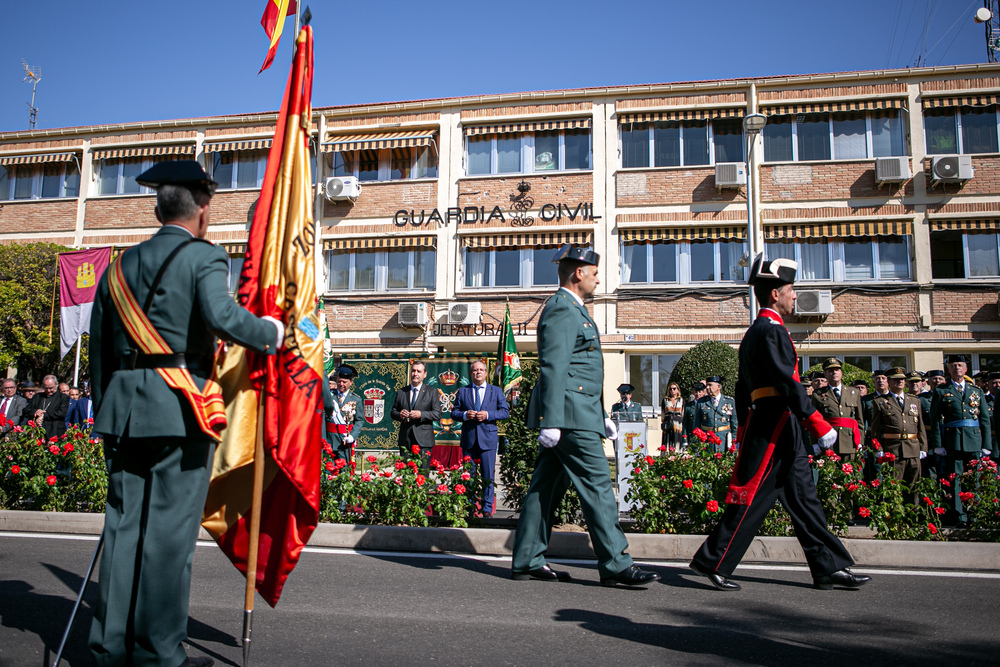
{"type": "Point", "coordinates": [374, 405]}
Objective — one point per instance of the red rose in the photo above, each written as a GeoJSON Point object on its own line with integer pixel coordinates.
{"type": "Point", "coordinates": [400, 465]}
{"type": "Point", "coordinates": [966, 496]}
{"type": "Point", "coordinates": [718, 455]}
{"type": "Point", "coordinates": [415, 449]}
{"type": "Point", "coordinates": [51, 480]}
{"type": "Point", "coordinates": [435, 463]}
{"type": "Point", "coordinates": [420, 480]}
{"type": "Point", "coordinates": [459, 488]}
{"type": "Point", "coordinates": [864, 512]}
{"type": "Point", "coordinates": [90, 421]}
{"type": "Point", "coordinates": [442, 488]}
{"type": "Point", "coordinates": [649, 460]}
{"type": "Point", "coordinates": [466, 477]}
{"type": "Point", "coordinates": [927, 500]}
{"type": "Point", "coordinates": [847, 468]}
{"type": "Point", "coordinates": [15, 469]}
{"type": "Point", "coordinates": [54, 450]}
{"type": "Point", "coordinates": [636, 471]}
{"type": "Point", "coordinates": [875, 483]}
{"type": "Point", "coordinates": [712, 506]}
{"type": "Point", "coordinates": [688, 484]}
{"type": "Point", "coordinates": [413, 464]}
{"type": "Point", "coordinates": [31, 423]}
{"type": "Point", "coordinates": [329, 465]}
{"type": "Point", "coordinates": [466, 458]}
{"type": "Point", "coordinates": [371, 458]}
{"type": "Point", "coordinates": [945, 482]}
{"type": "Point", "coordinates": [663, 448]}
{"type": "Point", "coordinates": [931, 527]}
{"type": "Point", "coordinates": [829, 453]}
{"type": "Point", "coordinates": [477, 461]}
{"type": "Point", "coordinates": [365, 477]}
{"type": "Point", "coordinates": [876, 444]}
{"type": "Point", "coordinates": [340, 463]}
{"type": "Point", "coordinates": [890, 457]}
{"type": "Point", "coordinates": [398, 481]}
{"type": "Point", "coordinates": [940, 510]}
{"type": "Point", "coordinates": [698, 433]}
{"type": "Point", "coordinates": [329, 478]}
{"type": "Point", "coordinates": [852, 487]}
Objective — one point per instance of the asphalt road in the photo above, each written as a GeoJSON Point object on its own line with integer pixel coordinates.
{"type": "Point", "coordinates": [342, 607]}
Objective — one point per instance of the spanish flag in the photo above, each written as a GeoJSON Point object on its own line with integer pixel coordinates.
{"type": "Point", "coordinates": [275, 398]}
{"type": "Point", "coordinates": [273, 21]}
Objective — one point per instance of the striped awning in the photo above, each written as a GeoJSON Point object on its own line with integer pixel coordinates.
{"type": "Point", "coordinates": [984, 100]}
{"type": "Point", "coordinates": [528, 240]}
{"type": "Point", "coordinates": [143, 151]}
{"type": "Point", "coordinates": [376, 243]}
{"type": "Point", "coordinates": [529, 126]}
{"type": "Point", "coordinates": [680, 114]}
{"type": "Point", "coordinates": [376, 140]}
{"type": "Point", "coordinates": [249, 145]}
{"type": "Point", "coordinates": [234, 247]}
{"type": "Point", "coordinates": [685, 233]}
{"type": "Point", "coordinates": [36, 159]}
{"type": "Point", "coordinates": [974, 225]}
{"type": "Point", "coordinates": [820, 107]}
{"type": "Point", "coordinates": [839, 229]}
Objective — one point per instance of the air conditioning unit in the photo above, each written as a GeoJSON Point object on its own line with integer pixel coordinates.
{"type": "Point", "coordinates": [465, 313]}
{"type": "Point", "coordinates": [892, 169]}
{"type": "Point", "coordinates": [813, 302]}
{"type": "Point", "coordinates": [951, 168]}
{"type": "Point", "coordinates": [341, 187]}
{"type": "Point", "coordinates": [412, 314]}
{"type": "Point", "coordinates": [730, 174]}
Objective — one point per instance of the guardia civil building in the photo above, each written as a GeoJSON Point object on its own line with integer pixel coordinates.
{"type": "Point", "coordinates": [431, 214]}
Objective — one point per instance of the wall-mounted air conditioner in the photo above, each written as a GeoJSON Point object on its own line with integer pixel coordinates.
{"type": "Point", "coordinates": [412, 314]}
{"type": "Point", "coordinates": [813, 302]}
{"type": "Point", "coordinates": [465, 313]}
{"type": "Point", "coordinates": [951, 168]}
{"type": "Point", "coordinates": [730, 174]}
{"type": "Point", "coordinates": [892, 169]}
{"type": "Point", "coordinates": [339, 188]}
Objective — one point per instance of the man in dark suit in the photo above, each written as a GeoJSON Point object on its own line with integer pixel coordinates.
{"type": "Point", "coordinates": [48, 408]}
{"type": "Point", "coordinates": [566, 405]}
{"type": "Point", "coordinates": [479, 407]}
{"type": "Point", "coordinates": [416, 408]}
{"type": "Point", "coordinates": [11, 405]}
{"type": "Point", "coordinates": [79, 411]}
{"type": "Point", "coordinates": [157, 312]}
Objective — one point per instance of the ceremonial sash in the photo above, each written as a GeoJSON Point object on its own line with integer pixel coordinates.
{"type": "Point", "coordinates": [962, 423]}
{"type": "Point", "coordinates": [207, 404]}
{"type": "Point", "coordinates": [743, 494]}
{"type": "Point", "coordinates": [847, 422]}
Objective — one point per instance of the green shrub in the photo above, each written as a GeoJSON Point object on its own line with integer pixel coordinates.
{"type": "Point", "coordinates": [709, 357]}
{"type": "Point", "coordinates": [851, 374]}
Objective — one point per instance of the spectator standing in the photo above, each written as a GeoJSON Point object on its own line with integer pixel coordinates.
{"type": "Point", "coordinates": [715, 412]}
{"type": "Point", "coordinates": [416, 408]}
{"type": "Point", "coordinates": [698, 390]}
{"type": "Point", "coordinates": [898, 425]}
{"type": "Point", "coordinates": [840, 406]}
{"type": "Point", "coordinates": [81, 411]}
{"type": "Point", "coordinates": [11, 405]}
{"type": "Point", "coordinates": [861, 386]}
{"type": "Point", "coordinates": [672, 418]}
{"type": "Point", "coordinates": [342, 437]}
{"type": "Point", "coordinates": [48, 408]}
{"type": "Point", "coordinates": [478, 407]}
{"type": "Point", "coordinates": [28, 390]}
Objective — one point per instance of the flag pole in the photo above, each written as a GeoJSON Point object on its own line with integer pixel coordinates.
{"type": "Point", "coordinates": [76, 367]}
{"type": "Point", "coordinates": [255, 507]}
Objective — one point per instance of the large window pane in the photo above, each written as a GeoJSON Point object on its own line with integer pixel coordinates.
{"type": "Point", "coordinates": [246, 169]}
{"type": "Point", "coordinates": [634, 263]}
{"type": "Point", "coordinates": [888, 134]}
{"type": "Point", "coordinates": [982, 255]}
{"type": "Point", "coordinates": [893, 259]}
{"type": "Point", "coordinates": [477, 268]}
{"type": "Point", "coordinates": [364, 270]}
{"type": "Point", "coordinates": [397, 274]}
{"type": "Point", "coordinates": [546, 151]}
{"type": "Point", "coordinates": [109, 177]}
{"type": "Point", "coordinates": [223, 164]}
{"type": "Point", "coordinates": [640, 374]}
{"type": "Point", "coordinates": [667, 144]}
{"type": "Point", "coordinates": [426, 164]}
{"type": "Point", "coordinates": [696, 142]}
{"type": "Point", "coordinates": [131, 168]}
{"type": "Point", "coordinates": [51, 179]}
{"type": "Point", "coordinates": [72, 188]}
{"type": "Point", "coordinates": [340, 271]}
{"type": "Point", "coordinates": [942, 135]}
{"type": "Point", "coordinates": [989, 362]}
{"type": "Point", "coordinates": [728, 138]}
{"type": "Point", "coordinates": [815, 260]}
{"type": "Point", "coordinates": [777, 249]}
{"type": "Point", "coordinates": [479, 155]}
{"type": "Point", "coordinates": [424, 269]}
{"type": "Point", "coordinates": [947, 255]}
{"type": "Point", "coordinates": [340, 163]}
{"type": "Point", "coordinates": [979, 131]}
{"type": "Point", "coordinates": [508, 154]}
{"type": "Point", "coordinates": [635, 145]}
{"type": "Point", "coordinates": [545, 271]}
{"type": "Point", "coordinates": [235, 268]}
{"type": "Point", "coordinates": [4, 183]}
{"type": "Point", "coordinates": [577, 149]}
{"type": "Point", "coordinates": [368, 165]}
{"type": "Point", "coordinates": [401, 162]}
{"type": "Point", "coordinates": [23, 177]}
{"type": "Point", "coordinates": [664, 262]}
{"type": "Point", "coordinates": [729, 255]}
{"type": "Point", "coordinates": [886, 361]}
{"type": "Point", "coordinates": [508, 268]}
{"type": "Point", "coordinates": [702, 261]}
{"type": "Point", "coordinates": [778, 139]}
{"type": "Point", "coordinates": [862, 362]}
{"type": "Point", "coordinates": [813, 132]}
{"type": "Point", "coordinates": [849, 137]}
{"type": "Point", "coordinates": [858, 263]}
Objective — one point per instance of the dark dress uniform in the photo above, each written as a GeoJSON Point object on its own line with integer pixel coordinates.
{"type": "Point", "coordinates": [965, 431]}
{"type": "Point", "coordinates": [350, 405]}
{"type": "Point", "coordinates": [844, 413]}
{"type": "Point", "coordinates": [898, 425]}
{"type": "Point", "coordinates": [721, 418]}
{"type": "Point", "coordinates": [630, 412]}
{"type": "Point", "coordinates": [689, 408]}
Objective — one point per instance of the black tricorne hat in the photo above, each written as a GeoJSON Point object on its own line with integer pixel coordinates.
{"type": "Point", "coordinates": [714, 378]}
{"type": "Point", "coordinates": [625, 388]}
{"type": "Point", "coordinates": [934, 374]}
{"type": "Point", "coordinates": [176, 172]}
{"type": "Point", "coordinates": [698, 386]}
{"type": "Point", "coordinates": [582, 255]}
{"type": "Point", "coordinates": [780, 270]}
{"type": "Point", "coordinates": [953, 358]}
{"type": "Point", "coordinates": [346, 371]}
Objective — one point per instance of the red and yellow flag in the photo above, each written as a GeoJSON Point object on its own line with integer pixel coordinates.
{"type": "Point", "coordinates": [276, 398]}
{"type": "Point", "coordinates": [273, 21]}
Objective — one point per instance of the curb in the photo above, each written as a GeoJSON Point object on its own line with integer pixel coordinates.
{"type": "Point", "coordinates": [977, 556]}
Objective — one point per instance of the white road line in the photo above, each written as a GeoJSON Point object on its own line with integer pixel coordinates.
{"type": "Point", "coordinates": [682, 564]}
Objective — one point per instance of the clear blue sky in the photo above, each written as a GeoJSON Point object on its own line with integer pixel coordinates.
{"type": "Point", "coordinates": [116, 61]}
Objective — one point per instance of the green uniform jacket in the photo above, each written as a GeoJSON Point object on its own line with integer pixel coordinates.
{"type": "Point", "coordinates": [689, 418]}
{"type": "Point", "coordinates": [951, 404]}
{"type": "Point", "coordinates": [721, 418]}
{"type": "Point", "coordinates": [890, 419]}
{"type": "Point", "coordinates": [631, 413]}
{"type": "Point", "coordinates": [570, 369]}
{"type": "Point", "coordinates": [192, 306]}
{"type": "Point", "coordinates": [352, 408]}
{"type": "Point", "coordinates": [847, 406]}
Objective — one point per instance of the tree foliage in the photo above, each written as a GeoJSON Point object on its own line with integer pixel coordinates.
{"type": "Point", "coordinates": [850, 375]}
{"type": "Point", "coordinates": [709, 357]}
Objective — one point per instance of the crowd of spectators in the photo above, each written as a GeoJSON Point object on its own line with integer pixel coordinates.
{"type": "Point", "coordinates": [54, 405]}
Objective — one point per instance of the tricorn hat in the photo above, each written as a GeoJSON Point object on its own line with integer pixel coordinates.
{"type": "Point", "coordinates": [625, 388]}
{"type": "Point", "coordinates": [779, 270]}
{"type": "Point", "coordinates": [994, 375]}
{"type": "Point", "coordinates": [877, 372]}
{"type": "Point", "coordinates": [346, 371]}
{"type": "Point", "coordinates": [583, 255]}
{"type": "Point", "coordinates": [714, 378]}
{"type": "Point", "coordinates": [176, 172]}
{"type": "Point", "coordinates": [698, 386]}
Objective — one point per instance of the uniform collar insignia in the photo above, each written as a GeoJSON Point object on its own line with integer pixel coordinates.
{"type": "Point", "coordinates": [771, 315]}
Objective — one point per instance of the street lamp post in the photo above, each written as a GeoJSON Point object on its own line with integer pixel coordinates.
{"type": "Point", "coordinates": [752, 126]}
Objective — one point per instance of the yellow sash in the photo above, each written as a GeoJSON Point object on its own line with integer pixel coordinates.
{"type": "Point", "coordinates": [209, 408]}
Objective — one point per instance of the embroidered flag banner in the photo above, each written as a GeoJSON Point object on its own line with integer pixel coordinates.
{"type": "Point", "coordinates": [79, 272]}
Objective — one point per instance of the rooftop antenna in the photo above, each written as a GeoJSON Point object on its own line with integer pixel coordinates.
{"type": "Point", "coordinates": [988, 16]}
{"type": "Point", "coordinates": [34, 74]}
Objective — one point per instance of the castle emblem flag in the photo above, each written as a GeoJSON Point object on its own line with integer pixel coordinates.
{"type": "Point", "coordinates": [79, 272]}
{"type": "Point", "coordinates": [374, 405]}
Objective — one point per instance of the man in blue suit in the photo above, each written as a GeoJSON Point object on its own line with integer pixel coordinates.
{"type": "Point", "coordinates": [478, 407]}
{"type": "Point", "coordinates": [79, 410]}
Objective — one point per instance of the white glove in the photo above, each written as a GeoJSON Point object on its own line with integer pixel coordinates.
{"type": "Point", "coordinates": [549, 437]}
{"type": "Point", "coordinates": [940, 451]}
{"type": "Point", "coordinates": [349, 440]}
{"type": "Point", "coordinates": [986, 452]}
{"type": "Point", "coordinates": [279, 341]}
{"type": "Point", "coordinates": [816, 450]}
{"type": "Point", "coordinates": [829, 439]}
{"type": "Point", "coordinates": [610, 429]}
{"type": "Point", "coordinates": [923, 455]}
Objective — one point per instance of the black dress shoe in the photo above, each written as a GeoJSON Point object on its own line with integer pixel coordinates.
{"type": "Point", "coordinates": [841, 578]}
{"type": "Point", "coordinates": [201, 661]}
{"type": "Point", "coordinates": [544, 573]}
{"type": "Point", "coordinates": [719, 581]}
{"type": "Point", "coordinates": [631, 576]}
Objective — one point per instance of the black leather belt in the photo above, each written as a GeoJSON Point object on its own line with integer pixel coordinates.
{"type": "Point", "coordinates": [136, 361]}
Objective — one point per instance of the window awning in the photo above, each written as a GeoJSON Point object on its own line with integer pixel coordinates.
{"type": "Point", "coordinates": [376, 243]}
{"type": "Point", "coordinates": [143, 151]}
{"type": "Point", "coordinates": [973, 226]}
{"type": "Point", "coordinates": [963, 101]}
{"type": "Point", "coordinates": [820, 107]}
{"type": "Point", "coordinates": [376, 140]}
{"type": "Point", "coordinates": [529, 126]}
{"type": "Point", "coordinates": [680, 114]}
{"type": "Point", "coordinates": [248, 145]}
{"type": "Point", "coordinates": [685, 233]}
{"type": "Point", "coordinates": [527, 240]}
{"type": "Point", "coordinates": [838, 229]}
{"type": "Point", "coordinates": [234, 247]}
{"type": "Point", "coordinates": [36, 159]}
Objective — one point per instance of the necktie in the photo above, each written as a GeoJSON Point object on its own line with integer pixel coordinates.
{"type": "Point", "coordinates": [899, 399]}
{"type": "Point", "coordinates": [3, 407]}
{"type": "Point", "coordinates": [479, 398]}
{"type": "Point", "coordinates": [413, 396]}
{"type": "Point", "coordinates": [837, 392]}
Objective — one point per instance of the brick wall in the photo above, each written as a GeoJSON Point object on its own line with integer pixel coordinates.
{"type": "Point", "coordinates": [25, 146]}
{"type": "Point", "coordinates": [358, 315]}
{"type": "Point", "coordinates": [165, 136]}
{"type": "Point", "coordinates": [37, 216]}
{"type": "Point", "coordinates": [672, 186]}
{"type": "Point", "coordinates": [569, 189]}
{"type": "Point", "coordinates": [985, 181]}
{"type": "Point", "coordinates": [964, 306]}
{"type": "Point", "coordinates": [854, 308]}
{"type": "Point", "coordinates": [686, 311]}
{"type": "Point", "coordinates": [234, 207]}
{"type": "Point", "coordinates": [118, 212]}
{"type": "Point", "coordinates": [825, 180]}
{"type": "Point", "coordinates": [382, 200]}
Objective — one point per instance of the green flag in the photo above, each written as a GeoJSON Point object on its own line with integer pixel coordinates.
{"type": "Point", "coordinates": [508, 363]}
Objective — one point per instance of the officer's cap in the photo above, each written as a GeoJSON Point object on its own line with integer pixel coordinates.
{"type": "Point", "coordinates": [876, 373]}
{"type": "Point", "coordinates": [896, 373]}
{"type": "Point", "coordinates": [915, 376]}
{"type": "Point", "coordinates": [994, 375]}
{"type": "Point", "coordinates": [832, 362]}
{"type": "Point", "coordinates": [954, 358]}
{"type": "Point", "coordinates": [176, 172]}
{"type": "Point", "coordinates": [816, 375]}
{"type": "Point", "coordinates": [714, 378]}
{"type": "Point", "coordinates": [933, 374]}
{"type": "Point", "coordinates": [698, 386]}
{"type": "Point", "coordinates": [582, 255]}
{"type": "Point", "coordinates": [859, 383]}
{"type": "Point", "coordinates": [625, 388]}
{"type": "Point", "coordinates": [346, 371]}
{"type": "Point", "coordinates": [779, 270]}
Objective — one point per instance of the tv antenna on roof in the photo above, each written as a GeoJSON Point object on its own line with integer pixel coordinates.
{"type": "Point", "coordinates": [988, 15]}
{"type": "Point", "coordinates": [34, 74]}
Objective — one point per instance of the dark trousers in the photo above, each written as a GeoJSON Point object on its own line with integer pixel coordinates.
{"type": "Point", "coordinates": [156, 494]}
{"type": "Point", "coordinates": [956, 463]}
{"type": "Point", "coordinates": [487, 466]}
{"type": "Point", "coordinates": [790, 480]}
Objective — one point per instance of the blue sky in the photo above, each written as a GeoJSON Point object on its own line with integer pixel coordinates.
{"type": "Point", "coordinates": [116, 61]}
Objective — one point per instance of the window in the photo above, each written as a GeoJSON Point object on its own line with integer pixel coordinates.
{"type": "Point", "coordinates": [969, 130]}
{"type": "Point", "coordinates": [834, 136]}
{"type": "Point", "coordinates": [394, 270]}
{"type": "Point", "coordinates": [235, 268]}
{"type": "Point", "coordinates": [117, 176]}
{"type": "Point", "coordinates": [650, 373]}
{"type": "Point", "coordinates": [956, 254]}
{"type": "Point", "coordinates": [531, 152]}
{"type": "Point", "coordinates": [47, 181]}
{"type": "Point", "coordinates": [682, 262]}
{"type": "Point", "coordinates": [884, 258]}
{"type": "Point", "coordinates": [527, 267]}
{"type": "Point", "coordinates": [239, 169]}
{"type": "Point", "coordinates": [680, 143]}
{"type": "Point", "coordinates": [985, 362]}
{"type": "Point", "coordinates": [386, 164]}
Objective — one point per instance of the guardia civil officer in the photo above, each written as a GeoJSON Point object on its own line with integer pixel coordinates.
{"type": "Point", "coordinates": [898, 426]}
{"type": "Point", "coordinates": [343, 436]}
{"type": "Point", "coordinates": [625, 409]}
{"type": "Point", "coordinates": [840, 406]}
{"type": "Point", "coordinates": [566, 405]}
{"type": "Point", "coordinates": [159, 441]}
{"type": "Point", "coordinates": [773, 463]}
{"type": "Point", "coordinates": [715, 412]}
{"type": "Point", "coordinates": [965, 433]}
{"type": "Point", "coordinates": [698, 390]}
